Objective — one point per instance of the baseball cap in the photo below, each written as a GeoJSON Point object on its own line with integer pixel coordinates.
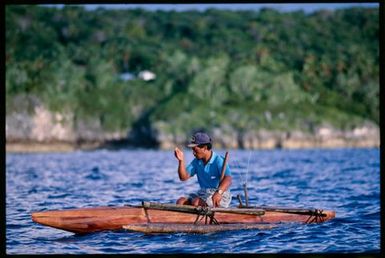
{"type": "Point", "coordinates": [198, 139]}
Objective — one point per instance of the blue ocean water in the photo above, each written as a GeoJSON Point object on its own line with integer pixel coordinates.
{"type": "Point", "coordinates": [344, 180]}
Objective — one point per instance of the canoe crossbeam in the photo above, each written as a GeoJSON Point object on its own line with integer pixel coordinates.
{"type": "Point", "coordinates": [200, 209]}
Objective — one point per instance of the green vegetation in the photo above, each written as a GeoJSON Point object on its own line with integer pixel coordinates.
{"type": "Point", "coordinates": [216, 68]}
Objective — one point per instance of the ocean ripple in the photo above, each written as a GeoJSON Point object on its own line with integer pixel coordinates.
{"type": "Point", "coordinates": [344, 180]}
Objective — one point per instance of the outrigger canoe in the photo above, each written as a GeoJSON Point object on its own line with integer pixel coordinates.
{"type": "Point", "coordinates": [151, 217]}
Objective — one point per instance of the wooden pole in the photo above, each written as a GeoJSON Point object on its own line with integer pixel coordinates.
{"type": "Point", "coordinates": [224, 167]}
{"type": "Point", "coordinates": [246, 195]}
{"type": "Point", "coordinates": [240, 201]}
{"type": "Point", "coordinates": [199, 209]}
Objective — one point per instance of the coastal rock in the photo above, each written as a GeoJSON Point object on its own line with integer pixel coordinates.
{"type": "Point", "coordinates": [18, 126]}
{"type": "Point", "coordinates": [44, 128]}
{"type": "Point", "coordinates": [225, 137]}
{"type": "Point", "coordinates": [51, 126]}
{"type": "Point", "coordinates": [91, 130]}
{"type": "Point", "coordinates": [298, 139]}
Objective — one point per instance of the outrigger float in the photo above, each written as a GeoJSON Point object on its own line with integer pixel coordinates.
{"type": "Point", "coordinates": [152, 217]}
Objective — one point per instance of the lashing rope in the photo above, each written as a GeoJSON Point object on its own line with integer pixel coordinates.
{"type": "Point", "coordinates": [204, 212]}
{"type": "Point", "coordinates": [316, 216]}
{"type": "Point", "coordinates": [146, 213]}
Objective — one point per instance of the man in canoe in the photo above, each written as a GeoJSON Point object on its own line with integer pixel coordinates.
{"type": "Point", "coordinates": [207, 165]}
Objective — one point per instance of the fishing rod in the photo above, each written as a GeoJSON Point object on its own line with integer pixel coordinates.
{"type": "Point", "coordinates": [245, 186]}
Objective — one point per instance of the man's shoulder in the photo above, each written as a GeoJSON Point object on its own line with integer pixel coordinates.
{"type": "Point", "coordinates": [217, 158]}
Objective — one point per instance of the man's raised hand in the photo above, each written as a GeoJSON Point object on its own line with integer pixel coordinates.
{"type": "Point", "coordinates": [178, 154]}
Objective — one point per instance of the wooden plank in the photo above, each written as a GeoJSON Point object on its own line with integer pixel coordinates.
{"type": "Point", "coordinates": [192, 228]}
{"type": "Point", "coordinates": [301, 211]}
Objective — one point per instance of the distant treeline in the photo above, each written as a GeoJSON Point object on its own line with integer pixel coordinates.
{"type": "Point", "coordinates": [217, 68]}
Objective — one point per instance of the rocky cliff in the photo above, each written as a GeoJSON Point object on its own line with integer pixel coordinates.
{"type": "Point", "coordinates": [43, 130]}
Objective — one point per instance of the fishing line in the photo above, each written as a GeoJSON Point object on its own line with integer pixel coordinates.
{"type": "Point", "coordinates": [236, 168]}
{"type": "Point", "coordinates": [245, 182]}
{"type": "Point", "coordinates": [247, 169]}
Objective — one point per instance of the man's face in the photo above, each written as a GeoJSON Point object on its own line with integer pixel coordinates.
{"type": "Point", "coordinates": [199, 152]}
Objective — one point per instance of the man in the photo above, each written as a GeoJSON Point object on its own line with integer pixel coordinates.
{"type": "Point", "coordinates": [207, 165]}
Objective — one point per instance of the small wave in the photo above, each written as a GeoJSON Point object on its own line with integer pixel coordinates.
{"type": "Point", "coordinates": [283, 173]}
{"type": "Point", "coordinates": [86, 180]}
{"type": "Point", "coordinates": [350, 169]}
{"type": "Point", "coordinates": [58, 196]}
{"type": "Point", "coordinates": [16, 226]}
{"type": "Point", "coordinates": [96, 174]}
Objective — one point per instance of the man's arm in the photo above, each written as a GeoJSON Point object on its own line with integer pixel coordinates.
{"type": "Point", "coordinates": [183, 175]}
{"type": "Point", "coordinates": [225, 184]}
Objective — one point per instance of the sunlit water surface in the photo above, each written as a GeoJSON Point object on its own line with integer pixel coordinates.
{"type": "Point", "coordinates": [344, 180]}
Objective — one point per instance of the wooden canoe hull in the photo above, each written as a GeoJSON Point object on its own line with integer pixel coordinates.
{"type": "Point", "coordinates": [87, 220]}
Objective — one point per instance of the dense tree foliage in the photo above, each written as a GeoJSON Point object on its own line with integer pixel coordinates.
{"type": "Point", "coordinates": [216, 68]}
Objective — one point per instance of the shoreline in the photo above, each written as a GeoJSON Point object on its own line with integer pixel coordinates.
{"type": "Point", "coordinates": [37, 147]}
{"type": "Point", "coordinates": [63, 147]}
